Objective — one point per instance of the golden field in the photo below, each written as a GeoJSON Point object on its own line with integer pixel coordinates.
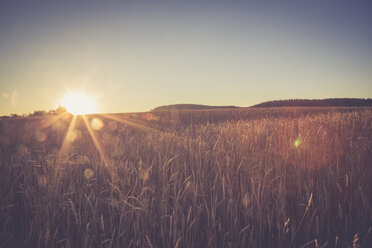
{"type": "Point", "coordinates": [294, 177]}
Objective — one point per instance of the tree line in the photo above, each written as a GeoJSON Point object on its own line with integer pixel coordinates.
{"type": "Point", "coordinates": [57, 111]}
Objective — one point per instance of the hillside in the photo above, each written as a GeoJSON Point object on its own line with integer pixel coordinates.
{"type": "Point", "coordinates": [189, 107]}
{"type": "Point", "coordinates": [330, 102]}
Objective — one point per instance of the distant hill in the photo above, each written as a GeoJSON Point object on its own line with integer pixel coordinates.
{"type": "Point", "coordinates": [330, 102]}
{"type": "Point", "coordinates": [190, 107]}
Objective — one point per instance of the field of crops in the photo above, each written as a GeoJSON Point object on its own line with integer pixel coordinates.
{"type": "Point", "coordinates": [217, 178]}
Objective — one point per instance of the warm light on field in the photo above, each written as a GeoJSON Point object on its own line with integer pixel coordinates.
{"type": "Point", "coordinates": [79, 103]}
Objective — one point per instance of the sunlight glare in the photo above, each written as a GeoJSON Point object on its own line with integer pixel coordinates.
{"type": "Point", "coordinates": [79, 103]}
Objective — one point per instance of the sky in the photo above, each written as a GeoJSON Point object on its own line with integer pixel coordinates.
{"type": "Point", "coordinates": [133, 56]}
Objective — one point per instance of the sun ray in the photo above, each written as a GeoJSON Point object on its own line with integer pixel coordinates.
{"type": "Point", "coordinates": [67, 141]}
{"type": "Point", "coordinates": [47, 123]}
{"type": "Point", "coordinates": [95, 141]}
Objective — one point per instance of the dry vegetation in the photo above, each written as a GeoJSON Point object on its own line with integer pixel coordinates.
{"type": "Point", "coordinates": [226, 178]}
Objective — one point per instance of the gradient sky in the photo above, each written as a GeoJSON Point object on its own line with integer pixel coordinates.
{"type": "Point", "coordinates": [136, 55]}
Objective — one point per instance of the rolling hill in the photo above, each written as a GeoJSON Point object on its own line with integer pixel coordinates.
{"type": "Point", "coordinates": [330, 102]}
{"type": "Point", "coordinates": [190, 107]}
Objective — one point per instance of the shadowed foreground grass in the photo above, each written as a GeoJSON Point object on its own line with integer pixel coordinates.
{"type": "Point", "coordinates": [234, 179]}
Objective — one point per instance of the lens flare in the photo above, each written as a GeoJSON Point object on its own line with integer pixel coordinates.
{"type": "Point", "coordinates": [311, 148]}
{"type": "Point", "coordinates": [88, 173]}
{"type": "Point", "coordinates": [96, 124]}
{"type": "Point", "coordinates": [14, 98]}
{"type": "Point", "coordinates": [297, 142]}
{"type": "Point", "coordinates": [40, 136]}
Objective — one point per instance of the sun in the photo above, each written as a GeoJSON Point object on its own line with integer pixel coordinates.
{"type": "Point", "coordinates": [79, 103]}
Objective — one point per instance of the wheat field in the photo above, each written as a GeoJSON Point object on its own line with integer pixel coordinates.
{"type": "Point", "coordinates": [295, 177]}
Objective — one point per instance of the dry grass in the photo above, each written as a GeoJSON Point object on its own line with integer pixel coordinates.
{"type": "Point", "coordinates": [237, 178]}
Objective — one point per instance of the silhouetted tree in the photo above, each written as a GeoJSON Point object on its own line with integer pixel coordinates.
{"type": "Point", "coordinates": [60, 110]}
{"type": "Point", "coordinates": [39, 113]}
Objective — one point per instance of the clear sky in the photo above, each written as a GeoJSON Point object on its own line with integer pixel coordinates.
{"type": "Point", "coordinates": [136, 55]}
